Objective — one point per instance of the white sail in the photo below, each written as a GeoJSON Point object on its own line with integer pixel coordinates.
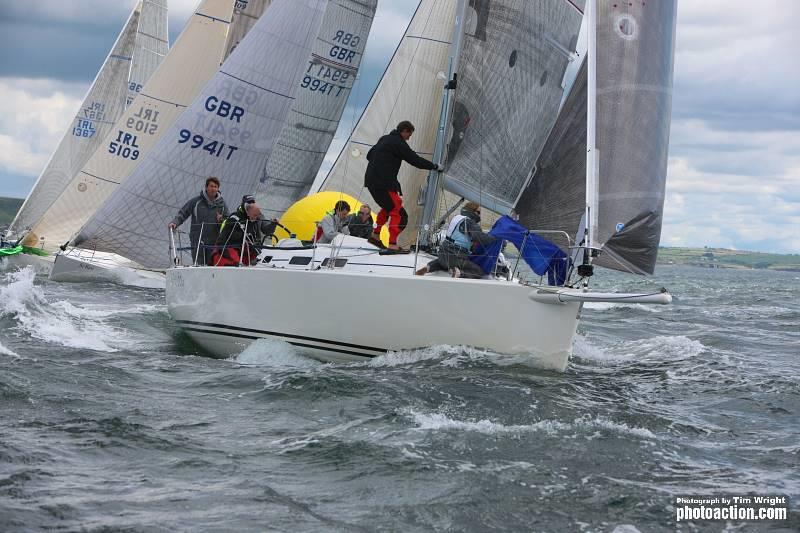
{"type": "Point", "coordinates": [180, 77]}
{"type": "Point", "coordinates": [327, 82]}
{"type": "Point", "coordinates": [228, 131]}
{"type": "Point", "coordinates": [410, 89]}
{"type": "Point", "coordinates": [245, 15]}
{"type": "Point", "coordinates": [152, 44]}
{"type": "Point", "coordinates": [102, 105]}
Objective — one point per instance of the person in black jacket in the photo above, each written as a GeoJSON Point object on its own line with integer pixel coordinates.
{"type": "Point", "coordinates": [207, 211]}
{"type": "Point", "coordinates": [360, 223]}
{"type": "Point", "coordinates": [381, 180]}
{"type": "Point", "coordinates": [241, 234]}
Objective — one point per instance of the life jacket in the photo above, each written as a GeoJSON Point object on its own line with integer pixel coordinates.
{"type": "Point", "coordinates": [456, 232]}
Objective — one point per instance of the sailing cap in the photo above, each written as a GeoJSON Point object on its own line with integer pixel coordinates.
{"type": "Point", "coordinates": [248, 199]}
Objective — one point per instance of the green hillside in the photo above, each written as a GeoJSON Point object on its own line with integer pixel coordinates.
{"type": "Point", "coordinates": [724, 258]}
{"type": "Point", "coordinates": [8, 208]}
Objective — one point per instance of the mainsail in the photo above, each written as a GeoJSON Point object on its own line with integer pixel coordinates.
{"type": "Point", "coordinates": [410, 89]}
{"type": "Point", "coordinates": [312, 122]}
{"type": "Point", "coordinates": [228, 131]}
{"type": "Point", "coordinates": [102, 105]}
{"type": "Point", "coordinates": [512, 62]}
{"type": "Point", "coordinates": [180, 77]}
{"type": "Point", "coordinates": [635, 52]}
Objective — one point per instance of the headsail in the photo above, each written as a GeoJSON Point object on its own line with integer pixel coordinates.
{"type": "Point", "coordinates": [102, 105]}
{"type": "Point", "coordinates": [410, 89]}
{"type": "Point", "coordinates": [180, 77]}
{"type": "Point", "coordinates": [329, 77]}
{"type": "Point", "coordinates": [511, 67]}
{"type": "Point", "coordinates": [228, 131]}
{"type": "Point", "coordinates": [635, 52]}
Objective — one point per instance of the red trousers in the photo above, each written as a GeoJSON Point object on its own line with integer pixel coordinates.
{"type": "Point", "coordinates": [391, 211]}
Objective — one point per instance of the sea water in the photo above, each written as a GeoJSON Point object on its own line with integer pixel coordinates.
{"type": "Point", "coordinates": [111, 419]}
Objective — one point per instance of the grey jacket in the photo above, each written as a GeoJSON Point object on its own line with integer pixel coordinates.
{"type": "Point", "coordinates": [204, 215]}
{"type": "Point", "coordinates": [331, 225]}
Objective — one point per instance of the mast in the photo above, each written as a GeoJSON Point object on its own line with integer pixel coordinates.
{"type": "Point", "coordinates": [591, 145]}
{"type": "Point", "coordinates": [430, 196]}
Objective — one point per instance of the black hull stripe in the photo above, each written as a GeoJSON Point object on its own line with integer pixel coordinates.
{"type": "Point", "coordinates": [287, 335]}
{"type": "Point", "coordinates": [293, 343]}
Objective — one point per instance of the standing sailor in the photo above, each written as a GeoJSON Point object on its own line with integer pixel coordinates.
{"type": "Point", "coordinates": [207, 211]}
{"type": "Point", "coordinates": [381, 180]}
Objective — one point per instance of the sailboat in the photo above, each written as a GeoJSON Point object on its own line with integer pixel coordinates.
{"type": "Point", "coordinates": [136, 54]}
{"type": "Point", "coordinates": [496, 50]}
{"type": "Point", "coordinates": [209, 36]}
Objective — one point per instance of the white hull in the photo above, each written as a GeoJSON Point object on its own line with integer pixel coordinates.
{"type": "Point", "coordinates": [102, 267]}
{"type": "Point", "coordinates": [373, 306]}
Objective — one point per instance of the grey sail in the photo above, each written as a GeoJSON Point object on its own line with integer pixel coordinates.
{"type": "Point", "coordinates": [228, 131]}
{"type": "Point", "coordinates": [635, 52]}
{"type": "Point", "coordinates": [101, 107]}
{"type": "Point", "coordinates": [245, 15]}
{"type": "Point", "coordinates": [512, 63]}
{"type": "Point", "coordinates": [331, 71]}
{"type": "Point", "coordinates": [152, 44]}
{"type": "Point", "coordinates": [634, 107]}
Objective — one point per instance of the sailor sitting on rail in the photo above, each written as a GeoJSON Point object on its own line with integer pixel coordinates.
{"type": "Point", "coordinates": [463, 233]}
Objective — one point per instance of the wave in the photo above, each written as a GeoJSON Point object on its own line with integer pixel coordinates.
{"type": "Point", "coordinates": [274, 353]}
{"type": "Point", "coordinates": [6, 351]}
{"type": "Point", "coordinates": [454, 356]}
{"type": "Point", "coordinates": [609, 306]}
{"type": "Point", "coordinates": [21, 299]}
{"type": "Point", "coordinates": [660, 348]}
{"type": "Point", "coordinates": [441, 422]}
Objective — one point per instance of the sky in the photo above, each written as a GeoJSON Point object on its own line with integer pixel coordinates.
{"type": "Point", "coordinates": [733, 179]}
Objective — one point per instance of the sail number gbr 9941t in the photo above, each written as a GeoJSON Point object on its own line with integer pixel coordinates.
{"type": "Point", "coordinates": [223, 109]}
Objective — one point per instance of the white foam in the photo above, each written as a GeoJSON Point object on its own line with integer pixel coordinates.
{"type": "Point", "coordinates": [408, 357]}
{"type": "Point", "coordinates": [441, 422]}
{"type": "Point", "coordinates": [273, 353]}
{"type": "Point", "coordinates": [6, 351]}
{"type": "Point", "coordinates": [660, 348]}
{"type": "Point", "coordinates": [609, 306]}
{"type": "Point", "coordinates": [23, 300]}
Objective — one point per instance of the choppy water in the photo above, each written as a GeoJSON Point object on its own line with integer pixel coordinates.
{"type": "Point", "coordinates": [111, 420]}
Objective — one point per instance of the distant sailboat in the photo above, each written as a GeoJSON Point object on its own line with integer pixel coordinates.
{"type": "Point", "coordinates": [133, 58]}
{"type": "Point", "coordinates": [194, 58]}
{"type": "Point", "coordinates": [501, 98]}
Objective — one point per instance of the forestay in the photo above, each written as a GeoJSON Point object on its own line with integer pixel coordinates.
{"type": "Point", "coordinates": [183, 73]}
{"type": "Point", "coordinates": [228, 131]}
{"type": "Point", "coordinates": [326, 84]}
{"type": "Point", "coordinates": [410, 89]}
{"type": "Point", "coordinates": [635, 51]}
{"type": "Point", "coordinates": [102, 105]}
{"type": "Point", "coordinates": [510, 71]}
